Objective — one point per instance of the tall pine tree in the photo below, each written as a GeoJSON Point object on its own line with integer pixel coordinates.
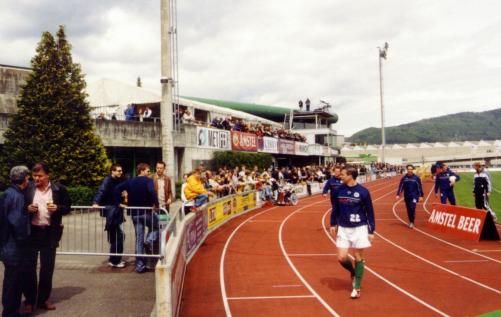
{"type": "Point", "coordinates": [53, 122]}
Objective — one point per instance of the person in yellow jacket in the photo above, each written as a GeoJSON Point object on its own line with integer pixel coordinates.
{"type": "Point", "coordinates": [195, 189]}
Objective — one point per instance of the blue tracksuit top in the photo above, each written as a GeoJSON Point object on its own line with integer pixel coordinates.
{"type": "Point", "coordinates": [442, 181]}
{"type": "Point", "coordinates": [411, 186]}
{"type": "Point", "coordinates": [331, 185]}
{"type": "Point", "coordinates": [353, 207]}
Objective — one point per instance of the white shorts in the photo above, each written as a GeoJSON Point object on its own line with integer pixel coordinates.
{"type": "Point", "coordinates": [357, 237]}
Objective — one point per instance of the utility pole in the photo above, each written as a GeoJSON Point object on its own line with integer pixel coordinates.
{"type": "Point", "coordinates": [167, 82]}
{"type": "Point", "coordinates": [382, 54]}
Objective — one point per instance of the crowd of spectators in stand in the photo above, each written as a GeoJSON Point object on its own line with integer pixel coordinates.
{"type": "Point", "coordinates": [233, 124]}
{"type": "Point", "coordinates": [227, 181]}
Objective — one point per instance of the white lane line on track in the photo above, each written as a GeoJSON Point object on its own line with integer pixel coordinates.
{"type": "Point", "coordinates": [395, 286]}
{"type": "Point", "coordinates": [270, 297]}
{"type": "Point", "coordinates": [223, 255]}
{"type": "Point", "coordinates": [286, 286]}
{"type": "Point", "coordinates": [437, 238]}
{"type": "Point", "coordinates": [478, 250]}
{"type": "Point", "coordinates": [465, 261]}
{"type": "Point", "coordinates": [433, 263]}
{"type": "Point", "coordinates": [311, 254]}
{"type": "Point", "coordinates": [303, 280]}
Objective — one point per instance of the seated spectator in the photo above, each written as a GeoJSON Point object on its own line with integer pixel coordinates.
{"type": "Point", "coordinates": [195, 189]}
{"type": "Point", "coordinates": [101, 116]}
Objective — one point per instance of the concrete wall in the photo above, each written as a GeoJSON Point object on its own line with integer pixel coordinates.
{"type": "Point", "coordinates": [11, 78]}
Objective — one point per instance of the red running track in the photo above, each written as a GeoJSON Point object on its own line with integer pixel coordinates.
{"type": "Point", "coordinates": [281, 261]}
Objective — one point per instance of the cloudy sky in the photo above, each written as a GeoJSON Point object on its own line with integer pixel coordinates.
{"type": "Point", "coordinates": [444, 56]}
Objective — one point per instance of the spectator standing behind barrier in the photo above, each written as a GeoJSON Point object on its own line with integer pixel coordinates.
{"type": "Point", "coordinates": [445, 180]}
{"type": "Point", "coordinates": [163, 186]}
{"type": "Point", "coordinates": [141, 193]}
{"type": "Point", "coordinates": [482, 188]}
{"type": "Point", "coordinates": [16, 253]}
{"type": "Point", "coordinates": [353, 225]}
{"type": "Point", "coordinates": [48, 201]}
{"type": "Point", "coordinates": [113, 213]}
{"type": "Point", "coordinates": [410, 184]}
{"type": "Point", "coordinates": [129, 112]}
{"type": "Point", "coordinates": [195, 189]}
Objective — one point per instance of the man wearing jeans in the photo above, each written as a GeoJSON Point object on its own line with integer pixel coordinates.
{"type": "Point", "coordinates": [141, 193]}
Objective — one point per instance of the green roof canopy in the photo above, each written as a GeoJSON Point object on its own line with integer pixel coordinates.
{"type": "Point", "coordinates": [268, 112]}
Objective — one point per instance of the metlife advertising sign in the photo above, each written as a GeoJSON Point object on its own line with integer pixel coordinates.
{"type": "Point", "coordinates": [213, 138]}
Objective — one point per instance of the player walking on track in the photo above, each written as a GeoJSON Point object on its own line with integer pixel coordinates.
{"type": "Point", "coordinates": [445, 180]}
{"type": "Point", "coordinates": [410, 184]}
{"type": "Point", "coordinates": [353, 225]}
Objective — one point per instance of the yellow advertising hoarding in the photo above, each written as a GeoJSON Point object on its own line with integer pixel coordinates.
{"type": "Point", "coordinates": [225, 208]}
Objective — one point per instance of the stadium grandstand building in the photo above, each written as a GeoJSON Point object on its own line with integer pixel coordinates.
{"type": "Point", "coordinates": [291, 137]}
{"type": "Point", "coordinates": [458, 153]}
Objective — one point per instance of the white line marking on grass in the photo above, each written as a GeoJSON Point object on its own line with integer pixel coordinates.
{"type": "Point", "coordinates": [395, 286]}
{"type": "Point", "coordinates": [271, 297]}
{"type": "Point", "coordinates": [433, 263]}
{"type": "Point", "coordinates": [465, 261]}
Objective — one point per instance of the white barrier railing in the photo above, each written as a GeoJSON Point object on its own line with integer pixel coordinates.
{"type": "Point", "coordinates": [190, 234]}
{"type": "Point", "coordinates": [84, 231]}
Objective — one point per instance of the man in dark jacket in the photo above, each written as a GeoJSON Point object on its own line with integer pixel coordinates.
{"type": "Point", "coordinates": [410, 184]}
{"type": "Point", "coordinates": [141, 193]}
{"type": "Point", "coordinates": [48, 201]}
{"type": "Point", "coordinates": [114, 214]}
{"type": "Point", "coordinates": [444, 181]}
{"type": "Point", "coordinates": [17, 254]}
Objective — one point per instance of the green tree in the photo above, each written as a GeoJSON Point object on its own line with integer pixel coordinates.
{"type": "Point", "coordinates": [53, 122]}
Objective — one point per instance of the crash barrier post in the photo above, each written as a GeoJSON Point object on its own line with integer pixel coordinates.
{"type": "Point", "coordinates": [89, 230]}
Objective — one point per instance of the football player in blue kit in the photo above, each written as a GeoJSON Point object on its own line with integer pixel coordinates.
{"type": "Point", "coordinates": [410, 184]}
{"type": "Point", "coordinates": [353, 225]}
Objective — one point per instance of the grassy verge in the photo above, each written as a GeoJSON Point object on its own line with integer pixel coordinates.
{"type": "Point", "coordinates": [464, 192]}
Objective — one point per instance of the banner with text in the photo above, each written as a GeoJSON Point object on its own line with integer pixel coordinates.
{"type": "Point", "coordinates": [268, 144]}
{"type": "Point", "coordinates": [195, 231]}
{"type": "Point", "coordinates": [241, 141]}
{"type": "Point", "coordinates": [222, 209]}
{"type": "Point", "coordinates": [468, 223]}
{"type": "Point", "coordinates": [301, 148]}
{"type": "Point", "coordinates": [285, 146]}
{"type": "Point", "coordinates": [213, 138]}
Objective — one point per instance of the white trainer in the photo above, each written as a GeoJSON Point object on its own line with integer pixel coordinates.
{"type": "Point", "coordinates": [355, 293]}
{"type": "Point", "coordinates": [411, 225]}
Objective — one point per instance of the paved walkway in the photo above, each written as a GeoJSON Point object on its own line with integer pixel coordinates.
{"type": "Point", "coordinates": [86, 286]}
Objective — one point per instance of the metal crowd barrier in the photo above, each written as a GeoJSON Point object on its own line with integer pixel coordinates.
{"type": "Point", "coordinates": [84, 231]}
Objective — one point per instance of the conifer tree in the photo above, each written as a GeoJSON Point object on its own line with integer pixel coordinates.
{"type": "Point", "coordinates": [53, 122]}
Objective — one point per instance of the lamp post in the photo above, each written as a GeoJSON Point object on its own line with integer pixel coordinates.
{"type": "Point", "coordinates": [382, 54]}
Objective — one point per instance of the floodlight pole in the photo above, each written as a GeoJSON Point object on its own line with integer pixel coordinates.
{"type": "Point", "coordinates": [167, 141]}
{"type": "Point", "coordinates": [382, 54]}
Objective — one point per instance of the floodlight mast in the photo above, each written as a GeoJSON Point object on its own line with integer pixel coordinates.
{"type": "Point", "coordinates": [382, 54]}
